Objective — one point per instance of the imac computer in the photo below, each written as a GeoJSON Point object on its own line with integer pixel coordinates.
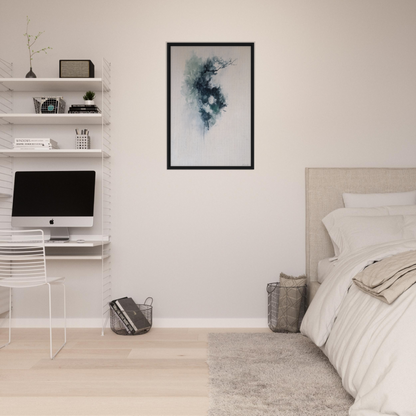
{"type": "Point", "coordinates": [54, 199]}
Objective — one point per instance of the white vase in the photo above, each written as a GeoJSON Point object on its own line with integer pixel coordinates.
{"type": "Point", "coordinates": [89, 102]}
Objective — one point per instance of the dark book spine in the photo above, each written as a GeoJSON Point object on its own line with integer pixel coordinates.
{"type": "Point", "coordinates": [135, 329]}
{"type": "Point", "coordinates": [122, 318]}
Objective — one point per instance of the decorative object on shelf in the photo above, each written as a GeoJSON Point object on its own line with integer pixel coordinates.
{"type": "Point", "coordinates": [210, 91]}
{"type": "Point", "coordinates": [30, 74]}
{"type": "Point", "coordinates": [30, 43]}
{"type": "Point", "coordinates": [49, 105]}
{"type": "Point", "coordinates": [89, 98]}
{"type": "Point", "coordinates": [82, 141]}
{"type": "Point", "coordinates": [34, 144]}
{"type": "Point", "coordinates": [83, 109]}
{"type": "Point", "coordinates": [72, 68]}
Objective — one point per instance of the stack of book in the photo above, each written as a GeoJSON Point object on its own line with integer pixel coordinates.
{"type": "Point", "coordinates": [130, 315]}
{"type": "Point", "coordinates": [35, 144]}
{"type": "Point", "coordinates": [83, 109]}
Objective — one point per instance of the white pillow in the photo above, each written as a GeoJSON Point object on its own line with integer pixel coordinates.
{"type": "Point", "coordinates": [333, 218]}
{"type": "Point", "coordinates": [352, 233]}
{"type": "Point", "coordinates": [379, 200]}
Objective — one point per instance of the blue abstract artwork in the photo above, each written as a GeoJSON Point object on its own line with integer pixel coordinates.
{"type": "Point", "coordinates": [210, 106]}
{"type": "Point", "coordinates": [200, 89]}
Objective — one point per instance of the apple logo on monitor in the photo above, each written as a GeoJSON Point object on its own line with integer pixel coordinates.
{"type": "Point", "coordinates": [51, 222]}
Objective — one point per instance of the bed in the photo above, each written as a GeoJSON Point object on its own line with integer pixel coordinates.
{"type": "Point", "coordinates": [370, 343]}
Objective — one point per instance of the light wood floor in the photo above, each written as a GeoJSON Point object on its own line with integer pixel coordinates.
{"type": "Point", "coordinates": [162, 373]}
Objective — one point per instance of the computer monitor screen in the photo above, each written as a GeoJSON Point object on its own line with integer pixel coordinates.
{"type": "Point", "coordinates": [53, 199]}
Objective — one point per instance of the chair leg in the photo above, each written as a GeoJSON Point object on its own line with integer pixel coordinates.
{"type": "Point", "coordinates": [50, 321]}
{"type": "Point", "coordinates": [10, 319]}
{"type": "Point", "coordinates": [64, 312]}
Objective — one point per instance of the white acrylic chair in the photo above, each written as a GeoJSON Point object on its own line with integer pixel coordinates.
{"type": "Point", "coordinates": [23, 265]}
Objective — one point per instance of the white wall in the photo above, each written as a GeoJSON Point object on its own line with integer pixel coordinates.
{"type": "Point", "coordinates": [335, 85]}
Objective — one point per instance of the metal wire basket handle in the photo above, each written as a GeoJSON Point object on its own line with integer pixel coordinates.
{"type": "Point", "coordinates": [151, 303]}
{"type": "Point", "coordinates": [271, 287]}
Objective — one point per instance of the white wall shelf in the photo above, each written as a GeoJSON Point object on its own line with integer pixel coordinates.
{"type": "Point", "coordinates": [72, 244]}
{"type": "Point", "coordinates": [61, 119]}
{"type": "Point", "coordinates": [66, 244]}
{"type": "Point", "coordinates": [80, 257]}
{"type": "Point", "coordinates": [80, 153]}
{"type": "Point", "coordinates": [53, 84]}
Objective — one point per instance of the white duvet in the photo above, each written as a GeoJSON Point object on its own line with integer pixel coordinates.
{"type": "Point", "coordinates": [370, 343]}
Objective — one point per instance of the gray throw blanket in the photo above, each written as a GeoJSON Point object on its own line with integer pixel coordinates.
{"type": "Point", "coordinates": [389, 278]}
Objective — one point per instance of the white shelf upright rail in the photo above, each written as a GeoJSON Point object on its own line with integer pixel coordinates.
{"type": "Point", "coordinates": [6, 164]}
{"type": "Point", "coordinates": [106, 190]}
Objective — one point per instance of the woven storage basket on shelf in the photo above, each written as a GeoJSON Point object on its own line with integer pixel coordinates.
{"type": "Point", "coordinates": [49, 105]}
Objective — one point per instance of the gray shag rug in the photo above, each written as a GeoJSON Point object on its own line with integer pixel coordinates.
{"type": "Point", "coordinates": [274, 374]}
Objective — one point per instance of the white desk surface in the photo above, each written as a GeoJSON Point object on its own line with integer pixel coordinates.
{"type": "Point", "coordinates": [74, 243]}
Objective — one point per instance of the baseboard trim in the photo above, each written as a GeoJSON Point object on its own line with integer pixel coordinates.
{"type": "Point", "coordinates": [157, 323]}
{"type": "Point", "coordinates": [210, 323]}
{"type": "Point", "coordinates": [44, 323]}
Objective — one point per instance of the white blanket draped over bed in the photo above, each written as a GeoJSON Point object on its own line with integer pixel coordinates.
{"type": "Point", "coordinates": [370, 343]}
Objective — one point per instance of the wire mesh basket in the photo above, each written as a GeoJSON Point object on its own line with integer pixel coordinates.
{"type": "Point", "coordinates": [286, 307]}
{"type": "Point", "coordinates": [117, 326]}
{"type": "Point", "coordinates": [49, 105]}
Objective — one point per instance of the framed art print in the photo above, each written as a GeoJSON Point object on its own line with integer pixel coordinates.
{"type": "Point", "coordinates": [210, 94]}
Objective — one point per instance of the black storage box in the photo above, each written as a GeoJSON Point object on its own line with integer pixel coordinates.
{"type": "Point", "coordinates": [73, 68]}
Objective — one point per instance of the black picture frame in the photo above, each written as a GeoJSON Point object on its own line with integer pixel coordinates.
{"type": "Point", "coordinates": [197, 135]}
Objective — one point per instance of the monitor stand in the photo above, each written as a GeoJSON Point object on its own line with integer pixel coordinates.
{"type": "Point", "coordinates": [59, 234]}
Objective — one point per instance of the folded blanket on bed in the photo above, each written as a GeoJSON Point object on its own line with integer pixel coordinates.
{"type": "Point", "coordinates": [389, 278]}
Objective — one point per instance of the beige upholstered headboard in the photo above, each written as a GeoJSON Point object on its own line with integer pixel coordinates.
{"type": "Point", "coordinates": [324, 189]}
